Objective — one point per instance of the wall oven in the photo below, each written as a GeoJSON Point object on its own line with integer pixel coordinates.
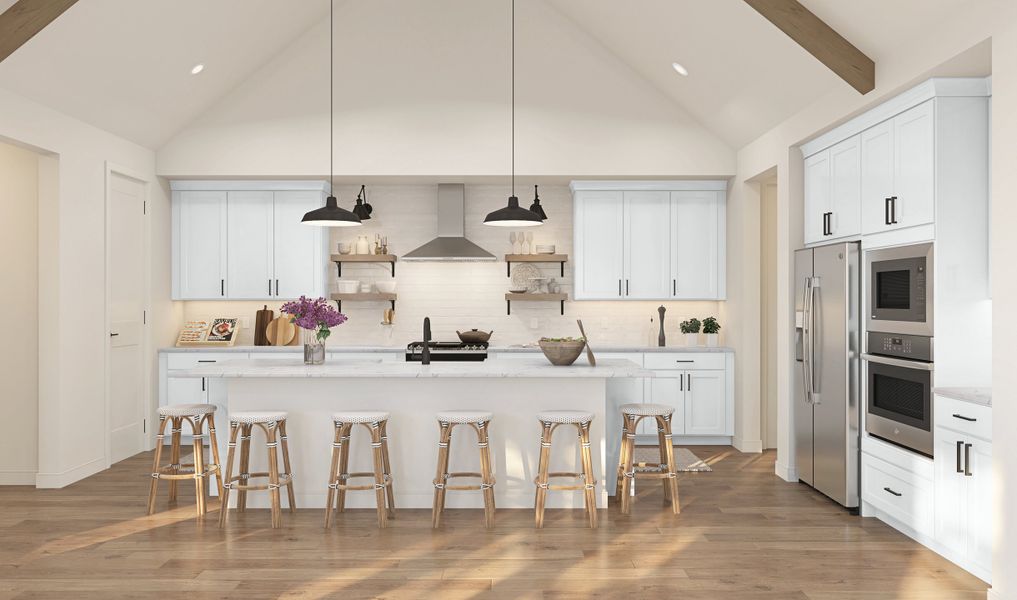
{"type": "Point", "coordinates": [898, 403]}
{"type": "Point", "coordinates": [900, 290]}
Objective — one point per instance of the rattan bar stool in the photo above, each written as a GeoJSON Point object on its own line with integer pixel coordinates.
{"type": "Point", "coordinates": [198, 415]}
{"type": "Point", "coordinates": [338, 479]}
{"type": "Point", "coordinates": [273, 423]}
{"type": "Point", "coordinates": [480, 422]}
{"type": "Point", "coordinates": [549, 421]}
{"type": "Point", "coordinates": [628, 470]}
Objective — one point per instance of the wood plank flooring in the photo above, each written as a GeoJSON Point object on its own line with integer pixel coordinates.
{"type": "Point", "coordinates": [742, 534]}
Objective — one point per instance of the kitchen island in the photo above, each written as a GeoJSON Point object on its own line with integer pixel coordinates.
{"type": "Point", "coordinates": [513, 390]}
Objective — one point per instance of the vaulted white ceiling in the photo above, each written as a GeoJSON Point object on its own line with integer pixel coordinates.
{"type": "Point", "coordinates": [124, 65]}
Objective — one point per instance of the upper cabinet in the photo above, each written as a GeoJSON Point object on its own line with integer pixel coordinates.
{"type": "Point", "coordinates": [649, 240]}
{"type": "Point", "coordinates": [899, 165]}
{"type": "Point", "coordinates": [244, 241]}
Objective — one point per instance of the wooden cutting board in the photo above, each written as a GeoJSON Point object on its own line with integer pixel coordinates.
{"type": "Point", "coordinates": [261, 320]}
{"type": "Point", "coordinates": [281, 331]}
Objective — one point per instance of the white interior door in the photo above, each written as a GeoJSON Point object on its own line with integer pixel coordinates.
{"type": "Point", "coordinates": [647, 245]}
{"type": "Point", "coordinates": [249, 245]}
{"type": "Point", "coordinates": [127, 291]}
{"type": "Point", "coordinates": [696, 245]}
{"type": "Point", "coordinates": [299, 249]}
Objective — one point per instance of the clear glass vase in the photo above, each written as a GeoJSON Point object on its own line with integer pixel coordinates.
{"type": "Point", "coordinates": [314, 349]}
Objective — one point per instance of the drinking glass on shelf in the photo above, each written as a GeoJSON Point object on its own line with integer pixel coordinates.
{"type": "Point", "coordinates": [512, 240]}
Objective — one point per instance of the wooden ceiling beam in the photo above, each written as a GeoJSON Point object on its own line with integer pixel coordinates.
{"type": "Point", "coordinates": [820, 40]}
{"type": "Point", "coordinates": [24, 19]}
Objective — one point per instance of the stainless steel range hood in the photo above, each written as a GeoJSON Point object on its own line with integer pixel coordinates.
{"type": "Point", "coordinates": [451, 244]}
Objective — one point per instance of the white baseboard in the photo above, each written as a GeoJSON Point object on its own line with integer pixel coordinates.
{"type": "Point", "coordinates": [747, 446]}
{"type": "Point", "coordinates": [994, 595]}
{"type": "Point", "coordinates": [65, 478]}
{"type": "Point", "coordinates": [17, 477]}
{"type": "Point", "coordinates": [785, 472]}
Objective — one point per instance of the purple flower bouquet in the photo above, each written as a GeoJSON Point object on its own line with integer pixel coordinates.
{"type": "Point", "coordinates": [315, 316]}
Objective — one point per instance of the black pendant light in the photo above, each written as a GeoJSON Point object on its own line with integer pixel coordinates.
{"type": "Point", "coordinates": [331, 215]}
{"type": "Point", "coordinates": [536, 207]}
{"type": "Point", "coordinates": [363, 209]}
{"type": "Point", "coordinates": [513, 215]}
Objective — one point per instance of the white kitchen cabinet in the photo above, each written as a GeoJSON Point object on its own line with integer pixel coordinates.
{"type": "Point", "coordinates": [705, 406]}
{"type": "Point", "coordinates": [817, 195]}
{"type": "Point", "coordinates": [299, 260]}
{"type": "Point", "coordinates": [599, 238]}
{"type": "Point", "coordinates": [649, 240]}
{"type": "Point", "coordinates": [697, 386]}
{"type": "Point", "coordinates": [877, 176]}
{"type": "Point", "coordinates": [199, 245]}
{"type": "Point", "coordinates": [913, 167]}
{"type": "Point", "coordinates": [249, 247]}
{"type": "Point", "coordinates": [646, 252]}
{"type": "Point", "coordinates": [698, 245]}
{"type": "Point", "coordinates": [833, 192]}
{"type": "Point", "coordinates": [667, 388]}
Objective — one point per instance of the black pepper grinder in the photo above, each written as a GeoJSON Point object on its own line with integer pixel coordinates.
{"type": "Point", "coordinates": [660, 337]}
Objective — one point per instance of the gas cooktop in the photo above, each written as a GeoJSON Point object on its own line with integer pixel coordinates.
{"type": "Point", "coordinates": [447, 351]}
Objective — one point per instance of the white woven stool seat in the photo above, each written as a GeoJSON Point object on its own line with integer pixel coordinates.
{"type": "Point", "coordinates": [257, 416]}
{"type": "Point", "coordinates": [647, 410]}
{"type": "Point", "coordinates": [186, 410]}
{"type": "Point", "coordinates": [464, 416]}
{"type": "Point", "coordinates": [565, 417]}
{"type": "Point", "coordinates": [360, 416]}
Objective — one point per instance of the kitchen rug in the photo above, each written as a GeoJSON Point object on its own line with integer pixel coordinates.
{"type": "Point", "coordinates": [685, 459]}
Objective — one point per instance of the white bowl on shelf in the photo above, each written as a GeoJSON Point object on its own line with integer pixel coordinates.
{"type": "Point", "coordinates": [545, 248]}
{"type": "Point", "coordinates": [386, 286]}
{"type": "Point", "coordinates": [347, 286]}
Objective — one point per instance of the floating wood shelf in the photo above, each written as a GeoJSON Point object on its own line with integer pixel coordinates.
{"type": "Point", "coordinates": [362, 297]}
{"type": "Point", "coordinates": [510, 298]}
{"type": "Point", "coordinates": [541, 258]}
{"type": "Point", "coordinates": [339, 259]}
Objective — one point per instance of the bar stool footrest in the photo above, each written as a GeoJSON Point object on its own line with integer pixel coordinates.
{"type": "Point", "coordinates": [284, 479]}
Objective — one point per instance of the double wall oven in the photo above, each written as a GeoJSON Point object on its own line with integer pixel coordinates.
{"type": "Point", "coordinates": [900, 344]}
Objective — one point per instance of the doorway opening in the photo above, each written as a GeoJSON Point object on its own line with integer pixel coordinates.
{"type": "Point", "coordinates": [768, 310]}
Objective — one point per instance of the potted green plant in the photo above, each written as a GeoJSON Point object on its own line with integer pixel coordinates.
{"type": "Point", "coordinates": [712, 330]}
{"type": "Point", "coordinates": [691, 330]}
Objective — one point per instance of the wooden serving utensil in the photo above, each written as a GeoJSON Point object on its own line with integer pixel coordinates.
{"type": "Point", "coordinates": [589, 351]}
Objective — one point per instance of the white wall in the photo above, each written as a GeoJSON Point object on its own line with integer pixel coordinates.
{"type": "Point", "coordinates": [466, 295]}
{"type": "Point", "coordinates": [768, 313]}
{"type": "Point", "coordinates": [19, 357]}
{"type": "Point", "coordinates": [410, 102]}
{"type": "Point", "coordinates": [71, 275]}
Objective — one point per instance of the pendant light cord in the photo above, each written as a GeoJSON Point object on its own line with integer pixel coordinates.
{"type": "Point", "coordinates": [331, 102]}
{"type": "Point", "coordinates": [513, 97]}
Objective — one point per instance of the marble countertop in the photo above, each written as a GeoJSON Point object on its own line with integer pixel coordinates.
{"type": "Point", "coordinates": [366, 368]}
{"type": "Point", "coordinates": [400, 349]}
{"type": "Point", "coordinates": [974, 395]}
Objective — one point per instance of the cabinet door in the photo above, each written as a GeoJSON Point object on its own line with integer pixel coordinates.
{"type": "Point", "coordinates": [914, 167]}
{"type": "Point", "coordinates": [697, 245]}
{"type": "Point", "coordinates": [817, 195]}
{"type": "Point", "coordinates": [950, 490]}
{"type": "Point", "coordinates": [978, 504]}
{"type": "Point", "coordinates": [845, 190]}
{"type": "Point", "coordinates": [705, 403]}
{"type": "Point", "coordinates": [668, 388]}
{"type": "Point", "coordinates": [647, 245]}
{"type": "Point", "coordinates": [877, 176]}
{"type": "Point", "coordinates": [299, 249]}
{"type": "Point", "coordinates": [599, 243]}
{"type": "Point", "coordinates": [183, 390]}
{"type": "Point", "coordinates": [249, 246]}
{"type": "Point", "coordinates": [201, 245]}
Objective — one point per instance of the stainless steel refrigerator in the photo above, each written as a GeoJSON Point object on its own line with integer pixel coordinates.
{"type": "Point", "coordinates": [827, 384]}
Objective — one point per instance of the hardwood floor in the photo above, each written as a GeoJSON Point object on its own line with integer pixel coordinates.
{"type": "Point", "coordinates": [742, 534]}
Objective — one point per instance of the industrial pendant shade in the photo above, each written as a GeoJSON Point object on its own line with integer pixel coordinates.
{"type": "Point", "coordinates": [536, 208]}
{"type": "Point", "coordinates": [363, 209]}
{"type": "Point", "coordinates": [514, 215]}
{"type": "Point", "coordinates": [331, 215]}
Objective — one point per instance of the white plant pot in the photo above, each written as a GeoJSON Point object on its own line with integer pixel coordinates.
{"type": "Point", "coordinates": [712, 339]}
{"type": "Point", "coordinates": [691, 339]}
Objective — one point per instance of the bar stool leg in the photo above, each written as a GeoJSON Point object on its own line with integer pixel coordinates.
{"type": "Point", "coordinates": [542, 469]}
{"type": "Point", "coordinates": [213, 444]}
{"type": "Point", "coordinates": [388, 469]}
{"type": "Point", "coordinates": [198, 458]}
{"type": "Point", "coordinates": [620, 480]}
{"type": "Point", "coordinates": [224, 502]}
{"type": "Point", "coordinates": [291, 496]}
{"type": "Point", "coordinates": [379, 472]}
{"type": "Point", "coordinates": [344, 464]}
{"type": "Point", "coordinates": [441, 477]}
{"type": "Point", "coordinates": [273, 473]}
{"type": "Point", "coordinates": [245, 464]}
{"type": "Point", "coordinates": [631, 421]}
{"type": "Point", "coordinates": [662, 442]}
{"type": "Point", "coordinates": [174, 458]}
{"type": "Point", "coordinates": [156, 466]}
{"type": "Point", "coordinates": [589, 479]}
{"type": "Point", "coordinates": [672, 475]}
{"type": "Point", "coordinates": [333, 475]}
{"type": "Point", "coordinates": [487, 485]}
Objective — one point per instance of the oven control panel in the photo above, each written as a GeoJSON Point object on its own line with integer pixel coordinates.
{"type": "Point", "coordinates": [913, 347]}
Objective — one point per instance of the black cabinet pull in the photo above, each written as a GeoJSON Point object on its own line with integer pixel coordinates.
{"type": "Point", "coordinates": [690, 382]}
{"type": "Point", "coordinates": [269, 287]}
{"type": "Point", "coordinates": [893, 210]}
{"type": "Point", "coordinates": [203, 384]}
{"type": "Point", "coordinates": [276, 287]}
{"type": "Point", "coordinates": [886, 211]}
{"type": "Point", "coordinates": [963, 418]}
{"type": "Point", "coordinates": [960, 445]}
{"type": "Point", "coordinates": [114, 334]}
{"type": "Point", "coordinates": [681, 383]}
{"type": "Point", "coordinates": [626, 287]}
{"type": "Point", "coordinates": [674, 287]}
{"type": "Point", "coordinates": [619, 287]}
{"type": "Point", "coordinates": [206, 361]}
{"type": "Point", "coordinates": [222, 287]}
{"type": "Point", "coordinates": [828, 223]}
{"type": "Point", "coordinates": [898, 494]}
{"type": "Point", "coordinates": [967, 460]}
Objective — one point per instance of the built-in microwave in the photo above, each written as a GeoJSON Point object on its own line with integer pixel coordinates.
{"type": "Point", "coordinates": [900, 290]}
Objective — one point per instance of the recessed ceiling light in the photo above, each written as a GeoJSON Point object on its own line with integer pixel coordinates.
{"type": "Point", "coordinates": [680, 69]}
{"type": "Point", "coordinates": [198, 68]}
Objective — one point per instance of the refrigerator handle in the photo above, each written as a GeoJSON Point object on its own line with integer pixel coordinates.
{"type": "Point", "coordinates": [814, 386]}
{"type": "Point", "coordinates": [806, 334]}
